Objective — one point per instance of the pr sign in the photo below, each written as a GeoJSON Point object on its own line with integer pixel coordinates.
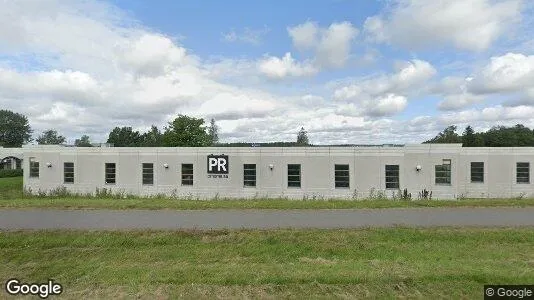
{"type": "Point", "coordinates": [218, 164]}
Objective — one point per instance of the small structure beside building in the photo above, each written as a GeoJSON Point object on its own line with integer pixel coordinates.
{"type": "Point", "coordinates": [10, 158]}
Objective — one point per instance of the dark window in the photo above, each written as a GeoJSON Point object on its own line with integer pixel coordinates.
{"type": "Point", "coordinates": [68, 172]}
{"type": "Point", "coordinates": [34, 167]}
{"type": "Point", "coordinates": [187, 174]}
{"type": "Point", "coordinates": [293, 175]}
{"type": "Point", "coordinates": [341, 176]}
{"type": "Point", "coordinates": [148, 173]}
{"type": "Point", "coordinates": [249, 174]}
{"type": "Point", "coordinates": [392, 177]}
{"type": "Point", "coordinates": [443, 172]}
{"type": "Point", "coordinates": [110, 173]}
{"type": "Point", "coordinates": [523, 172]}
{"type": "Point", "coordinates": [477, 171]}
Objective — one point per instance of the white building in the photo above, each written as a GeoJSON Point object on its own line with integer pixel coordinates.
{"type": "Point", "coordinates": [10, 158]}
{"type": "Point", "coordinates": [447, 170]}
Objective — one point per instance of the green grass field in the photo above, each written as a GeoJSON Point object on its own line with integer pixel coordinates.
{"type": "Point", "coordinates": [375, 263]}
{"type": "Point", "coordinates": [11, 197]}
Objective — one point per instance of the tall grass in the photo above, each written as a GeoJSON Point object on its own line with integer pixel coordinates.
{"type": "Point", "coordinates": [377, 263]}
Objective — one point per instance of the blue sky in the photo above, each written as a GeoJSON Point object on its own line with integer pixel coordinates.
{"type": "Point", "coordinates": [392, 71]}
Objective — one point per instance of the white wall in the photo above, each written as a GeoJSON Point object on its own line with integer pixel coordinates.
{"type": "Point", "coordinates": [367, 170]}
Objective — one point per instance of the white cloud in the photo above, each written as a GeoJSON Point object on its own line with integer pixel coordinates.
{"type": "Point", "coordinates": [96, 69]}
{"type": "Point", "coordinates": [458, 101]}
{"type": "Point", "coordinates": [507, 73]}
{"type": "Point", "coordinates": [387, 105]}
{"type": "Point", "coordinates": [384, 95]}
{"type": "Point", "coordinates": [510, 75]}
{"type": "Point", "coordinates": [331, 45]}
{"type": "Point", "coordinates": [409, 76]}
{"type": "Point", "coordinates": [466, 24]}
{"type": "Point", "coordinates": [304, 35]}
{"type": "Point", "coordinates": [150, 55]}
{"type": "Point", "coordinates": [248, 36]}
{"type": "Point", "coordinates": [335, 44]}
{"type": "Point", "coordinates": [278, 68]}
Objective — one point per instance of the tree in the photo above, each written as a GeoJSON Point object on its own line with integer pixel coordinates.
{"type": "Point", "coordinates": [152, 138]}
{"type": "Point", "coordinates": [186, 131]}
{"type": "Point", "coordinates": [213, 132]}
{"type": "Point", "coordinates": [124, 137]}
{"type": "Point", "coordinates": [447, 136]}
{"type": "Point", "coordinates": [302, 137]}
{"type": "Point", "coordinates": [50, 137]}
{"type": "Point", "coordinates": [14, 129]}
{"type": "Point", "coordinates": [83, 141]}
{"type": "Point", "coordinates": [471, 139]}
{"type": "Point", "coordinates": [468, 137]}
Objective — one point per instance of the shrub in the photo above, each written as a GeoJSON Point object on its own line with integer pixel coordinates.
{"type": "Point", "coordinates": [10, 173]}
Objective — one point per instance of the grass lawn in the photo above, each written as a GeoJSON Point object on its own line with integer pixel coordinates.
{"type": "Point", "coordinates": [11, 197]}
{"type": "Point", "coordinates": [376, 263]}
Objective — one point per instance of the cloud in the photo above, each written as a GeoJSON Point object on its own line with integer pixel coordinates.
{"type": "Point", "coordinates": [409, 75]}
{"type": "Point", "coordinates": [458, 101]}
{"type": "Point", "coordinates": [384, 95]}
{"type": "Point", "coordinates": [465, 24]}
{"type": "Point", "coordinates": [84, 67]}
{"type": "Point", "coordinates": [278, 68]}
{"type": "Point", "coordinates": [150, 55]}
{"type": "Point", "coordinates": [387, 105]}
{"type": "Point", "coordinates": [510, 75]}
{"type": "Point", "coordinates": [248, 36]}
{"type": "Point", "coordinates": [304, 36]}
{"type": "Point", "coordinates": [332, 45]}
{"type": "Point", "coordinates": [507, 73]}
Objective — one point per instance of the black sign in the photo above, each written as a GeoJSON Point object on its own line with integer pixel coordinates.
{"type": "Point", "coordinates": [218, 164]}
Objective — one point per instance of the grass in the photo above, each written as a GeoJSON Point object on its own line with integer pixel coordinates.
{"type": "Point", "coordinates": [11, 197]}
{"type": "Point", "coordinates": [439, 263]}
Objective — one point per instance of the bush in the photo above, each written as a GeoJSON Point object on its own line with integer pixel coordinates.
{"type": "Point", "coordinates": [10, 173]}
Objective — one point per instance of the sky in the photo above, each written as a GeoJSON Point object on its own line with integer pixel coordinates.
{"type": "Point", "coordinates": [358, 72]}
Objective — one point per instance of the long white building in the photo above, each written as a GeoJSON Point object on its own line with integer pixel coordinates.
{"type": "Point", "coordinates": [446, 170]}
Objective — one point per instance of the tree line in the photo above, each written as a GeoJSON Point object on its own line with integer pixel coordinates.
{"type": "Point", "coordinates": [186, 131]}
{"type": "Point", "coordinates": [183, 131]}
{"type": "Point", "coordinates": [497, 136]}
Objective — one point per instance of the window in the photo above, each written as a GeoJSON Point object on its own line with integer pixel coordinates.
{"type": "Point", "coordinates": [148, 173]}
{"type": "Point", "coordinates": [293, 175]}
{"type": "Point", "coordinates": [392, 177]}
{"type": "Point", "coordinates": [341, 176]}
{"type": "Point", "coordinates": [34, 167]}
{"type": "Point", "coordinates": [187, 174]}
{"type": "Point", "coordinates": [110, 173]}
{"type": "Point", "coordinates": [443, 172]}
{"type": "Point", "coordinates": [249, 174]}
{"type": "Point", "coordinates": [523, 172]}
{"type": "Point", "coordinates": [68, 172]}
{"type": "Point", "coordinates": [477, 172]}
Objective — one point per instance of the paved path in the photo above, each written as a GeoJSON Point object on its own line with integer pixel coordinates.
{"type": "Point", "coordinates": [234, 219]}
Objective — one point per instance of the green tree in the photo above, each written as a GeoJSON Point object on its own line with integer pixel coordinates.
{"type": "Point", "coordinates": [302, 138]}
{"type": "Point", "coordinates": [14, 129]}
{"type": "Point", "coordinates": [447, 136]}
{"type": "Point", "coordinates": [213, 132]}
{"type": "Point", "coordinates": [124, 137]}
{"type": "Point", "coordinates": [50, 137]}
{"type": "Point", "coordinates": [468, 137]}
{"type": "Point", "coordinates": [186, 131]}
{"type": "Point", "coordinates": [83, 141]}
{"type": "Point", "coordinates": [152, 138]}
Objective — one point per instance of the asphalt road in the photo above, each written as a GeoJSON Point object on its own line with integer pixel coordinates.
{"type": "Point", "coordinates": [11, 219]}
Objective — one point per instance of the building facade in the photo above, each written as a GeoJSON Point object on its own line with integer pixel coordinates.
{"type": "Point", "coordinates": [10, 158]}
{"type": "Point", "coordinates": [447, 170]}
